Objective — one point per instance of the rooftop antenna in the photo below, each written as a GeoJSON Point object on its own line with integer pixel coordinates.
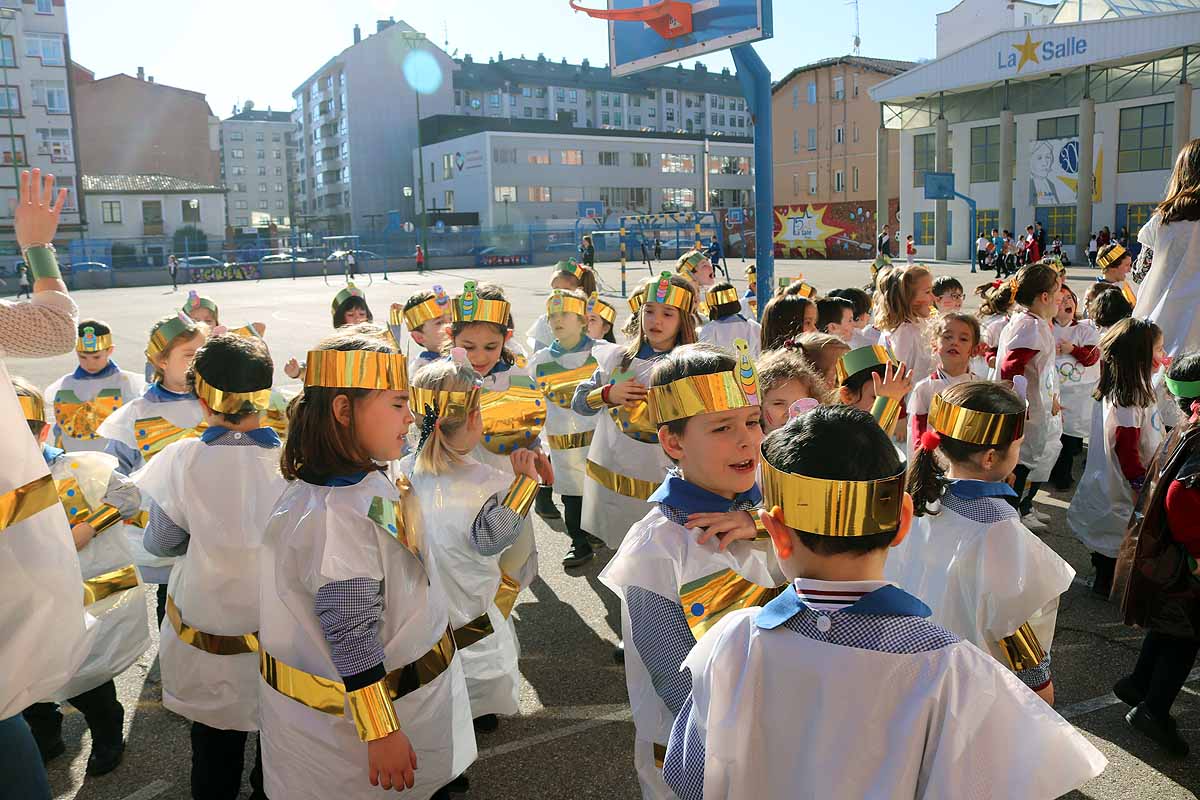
{"type": "Point", "coordinates": [445, 36]}
{"type": "Point", "coordinates": [857, 29]}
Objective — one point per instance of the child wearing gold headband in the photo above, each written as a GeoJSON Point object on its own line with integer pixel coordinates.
{"type": "Point", "coordinates": [986, 577]}
{"type": "Point", "coordinates": [569, 275]}
{"type": "Point", "coordinates": [726, 322]}
{"type": "Point", "coordinates": [426, 315]}
{"type": "Point", "coordinates": [844, 663]}
{"type": "Point", "coordinates": [750, 298]}
{"type": "Point", "coordinates": [210, 500]}
{"type": "Point", "coordinates": [956, 339]}
{"type": "Point", "coordinates": [361, 687]}
{"type": "Point", "coordinates": [871, 379]}
{"type": "Point", "coordinates": [903, 309]}
{"type": "Point", "coordinates": [78, 402]}
{"type": "Point", "coordinates": [601, 319]}
{"type": "Point", "coordinates": [166, 412]}
{"type": "Point", "coordinates": [558, 370]}
{"type": "Point", "coordinates": [683, 565]}
{"type": "Point", "coordinates": [96, 498]}
{"type": "Point", "coordinates": [350, 307]}
{"type": "Point", "coordinates": [478, 529]}
{"type": "Point", "coordinates": [625, 463]}
{"type": "Point", "coordinates": [1116, 262]}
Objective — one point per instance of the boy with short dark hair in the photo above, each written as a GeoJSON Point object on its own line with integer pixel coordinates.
{"type": "Point", "coordinates": [426, 314]}
{"type": "Point", "coordinates": [835, 316]}
{"type": "Point", "coordinates": [864, 333]}
{"type": "Point", "coordinates": [843, 656]}
{"type": "Point", "coordinates": [77, 403]}
{"type": "Point", "coordinates": [947, 294]}
{"type": "Point", "coordinates": [682, 567]}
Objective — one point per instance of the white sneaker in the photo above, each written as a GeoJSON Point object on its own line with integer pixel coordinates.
{"type": "Point", "coordinates": [1033, 523]}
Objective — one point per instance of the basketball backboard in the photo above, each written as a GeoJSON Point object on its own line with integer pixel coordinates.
{"type": "Point", "coordinates": [939, 185]}
{"type": "Point", "coordinates": [715, 25]}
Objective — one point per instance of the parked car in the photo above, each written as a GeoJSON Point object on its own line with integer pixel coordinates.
{"type": "Point", "coordinates": [200, 262]}
{"type": "Point", "coordinates": [88, 266]}
{"type": "Point", "coordinates": [283, 258]}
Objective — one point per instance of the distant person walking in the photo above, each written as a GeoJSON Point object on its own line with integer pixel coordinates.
{"type": "Point", "coordinates": [351, 263]}
{"type": "Point", "coordinates": [173, 270]}
{"type": "Point", "coordinates": [23, 284]}
{"type": "Point", "coordinates": [420, 259]}
{"type": "Point", "coordinates": [657, 249]}
{"type": "Point", "coordinates": [588, 252]}
{"type": "Point", "coordinates": [885, 242]}
{"type": "Point", "coordinates": [716, 254]}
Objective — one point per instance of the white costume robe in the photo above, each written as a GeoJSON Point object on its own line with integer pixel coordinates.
{"type": "Point", "coordinates": [569, 434]}
{"type": "Point", "coordinates": [1100, 509]}
{"type": "Point", "coordinates": [869, 701]}
{"type": "Point", "coordinates": [321, 534]}
{"type": "Point", "coordinates": [989, 330]}
{"type": "Point", "coordinates": [474, 583]}
{"type": "Point", "coordinates": [922, 395]}
{"type": "Point", "coordinates": [980, 570]}
{"type": "Point", "coordinates": [222, 495]}
{"type": "Point", "coordinates": [44, 633]}
{"type": "Point", "coordinates": [622, 471]}
{"type": "Point", "coordinates": [144, 427]}
{"type": "Point", "coordinates": [117, 598]}
{"type": "Point", "coordinates": [1043, 429]}
{"type": "Point", "coordinates": [663, 557]}
{"type": "Point", "coordinates": [1170, 293]}
{"type": "Point", "coordinates": [910, 344]}
{"type": "Point", "coordinates": [1076, 381]}
{"type": "Point", "coordinates": [723, 333]}
{"type": "Point", "coordinates": [76, 405]}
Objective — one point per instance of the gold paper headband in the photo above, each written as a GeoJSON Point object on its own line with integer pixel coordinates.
{"type": "Point", "coordinates": [1113, 256]}
{"type": "Point", "coordinates": [636, 301]}
{"type": "Point", "coordinates": [560, 303]}
{"type": "Point", "coordinates": [470, 307]}
{"type": "Point", "coordinates": [357, 369]}
{"type": "Point", "coordinates": [165, 333]}
{"type": "Point", "coordinates": [34, 408]}
{"type": "Point", "coordinates": [975, 427]}
{"type": "Point", "coordinates": [834, 508]}
{"type": "Point", "coordinates": [689, 263]}
{"type": "Point", "coordinates": [570, 266]}
{"type": "Point", "coordinates": [601, 309]}
{"type": "Point", "coordinates": [720, 297]}
{"type": "Point", "coordinates": [223, 402]}
{"type": "Point", "coordinates": [434, 307]}
{"type": "Point", "coordinates": [92, 342]}
{"type": "Point", "coordinates": [700, 394]}
{"type": "Point", "coordinates": [449, 405]}
{"type": "Point", "coordinates": [664, 292]}
{"type": "Point", "coordinates": [345, 294]}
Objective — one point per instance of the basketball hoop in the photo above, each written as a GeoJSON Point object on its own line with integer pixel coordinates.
{"type": "Point", "coordinates": [668, 18]}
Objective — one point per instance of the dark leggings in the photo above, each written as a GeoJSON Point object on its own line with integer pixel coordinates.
{"type": "Point", "coordinates": [99, 707]}
{"type": "Point", "coordinates": [218, 757]}
{"type": "Point", "coordinates": [573, 514]}
{"type": "Point", "coordinates": [161, 610]}
{"type": "Point", "coordinates": [1063, 472]}
{"type": "Point", "coordinates": [1023, 502]}
{"type": "Point", "coordinates": [1162, 667]}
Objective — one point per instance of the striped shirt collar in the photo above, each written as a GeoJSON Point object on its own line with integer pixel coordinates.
{"type": "Point", "coordinates": [885, 600]}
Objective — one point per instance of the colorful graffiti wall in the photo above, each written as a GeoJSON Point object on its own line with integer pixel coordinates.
{"type": "Point", "coordinates": [832, 230]}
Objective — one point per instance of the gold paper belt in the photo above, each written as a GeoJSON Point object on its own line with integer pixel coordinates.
{"type": "Point", "coordinates": [624, 485]}
{"type": "Point", "coordinates": [102, 586]}
{"type": "Point", "coordinates": [481, 627]}
{"type": "Point", "coordinates": [570, 441]}
{"type": "Point", "coordinates": [660, 754]}
{"type": "Point", "coordinates": [24, 501]}
{"type": "Point", "coordinates": [329, 696]}
{"type": "Point", "coordinates": [214, 643]}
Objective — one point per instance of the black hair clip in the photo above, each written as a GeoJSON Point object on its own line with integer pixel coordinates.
{"type": "Point", "coordinates": [428, 423]}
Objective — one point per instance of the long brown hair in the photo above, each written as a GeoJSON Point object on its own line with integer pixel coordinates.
{"type": "Point", "coordinates": [926, 476]}
{"type": "Point", "coordinates": [1127, 363]}
{"type": "Point", "coordinates": [1182, 202]}
{"type": "Point", "coordinates": [894, 290]}
{"type": "Point", "coordinates": [1034, 280]}
{"type": "Point", "coordinates": [687, 320]}
{"type": "Point", "coordinates": [488, 291]}
{"type": "Point", "coordinates": [783, 319]}
{"type": "Point", "coordinates": [318, 447]}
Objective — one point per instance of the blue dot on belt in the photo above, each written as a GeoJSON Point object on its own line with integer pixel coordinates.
{"type": "Point", "coordinates": [487, 437]}
{"type": "Point", "coordinates": [142, 432]}
{"type": "Point", "coordinates": [145, 447]}
{"type": "Point", "coordinates": [392, 528]}
{"type": "Point", "coordinates": [697, 609]}
{"type": "Point", "coordinates": [74, 511]}
{"type": "Point", "coordinates": [70, 492]}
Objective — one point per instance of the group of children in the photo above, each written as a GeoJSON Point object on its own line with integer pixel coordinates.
{"type": "Point", "coordinates": [341, 577]}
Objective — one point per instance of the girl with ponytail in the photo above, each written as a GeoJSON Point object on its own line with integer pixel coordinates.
{"type": "Point", "coordinates": [984, 575]}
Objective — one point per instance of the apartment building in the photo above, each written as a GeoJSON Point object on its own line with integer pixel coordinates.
{"type": "Point", "coordinates": [37, 107]}
{"type": "Point", "coordinates": [662, 99]}
{"type": "Point", "coordinates": [825, 128]}
{"type": "Point", "coordinates": [254, 165]}
{"type": "Point", "coordinates": [358, 110]}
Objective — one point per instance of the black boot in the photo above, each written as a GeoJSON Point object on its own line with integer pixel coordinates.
{"type": "Point", "coordinates": [580, 553]}
{"type": "Point", "coordinates": [1105, 567]}
{"type": "Point", "coordinates": [45, 722]}
{"type": "Point", "coordinates": [1160, 729]}
{"type": "Point", "coordinates": [105, 718]}
{"type": "Point", "coordinates": [544, 504]}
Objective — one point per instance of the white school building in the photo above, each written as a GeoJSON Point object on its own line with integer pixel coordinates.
{"type": "Point", "coordinates": [1044, 102]}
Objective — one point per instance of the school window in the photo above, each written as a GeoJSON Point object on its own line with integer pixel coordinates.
{"type": "Point", "coordinates": [52, 95]}
{"type": "Point", "coordinates": [986, 219]}
{"type": "Point", "coordinates": [1058, 127]}
{"type": "Point", "coordinates": [678, 199]}
{"type": "Point", "coordinates": [839, 88]}
{"type": "Point", "coordinates": [605, 119]}
{"type": "Point", "coordinates": [8, 54]}
{"type": "Point", "coordinates": [854, 179]}
{"type": "Point", "coordinates": [504, 155]}
{"type": "Point", "coordinates": [240, 205]}
{"type": "Point", "coordinates": [505, 194]}
{"type": "Point", "coordinates": [494, 100]}
{"type": "Point", "coordinates": [812, 138]}
{"type": "Point", "coordinates": [47, 47]}
{"type": "Point", "coordinates": [856, 86]}
{"type": "Point", "coordinates": [985, 154]}
{"type": "Point", "coordinates": [795, 141]}
{"type": "Point", "coordinates": [279, 186]}
{"type": "Point", "coordinates": [527, 112]}
{"type": "Point", "coordinates": [923, 157]}
{"type": "Point", "coordinates": [839, 135]}
{"type": "Point", "coordinates": [260, 137]}
{"type": "Point", "coordinates": [262, 187]}
{"type": "Point", "coordinates": [812, 183]}
{"type": "Point", "coordinates": [812, 94]}
{"type": "Point", "coordinates": [839, 181]}
{"type": "Point", "coordinates": [1060, 223]}
{"type": "Point", "coordinates": [10, 101]}
{"type": "Point", "coordinates": [448, 203]}
{"type": "Point", "coordinates": [923, 228]}
{"type": "Point", "coordinates": [617, 118]}
{"type": "Point", "coordinates": [1137, 215]}
{"type": "Point", "coordinates": [1146, 138]}
{"type": "Point", "coordinates": [572, 158]}
{"type": "Point", "coordinates": [45, 6]}
{"type": "Point", "coordinates": [110, 211]}
{"type": "Point", "coordinates": [539, 156]}
{"type": "Point", "coordinates": [675, 162]}
{"type": "Point", "coordinates": [641, 159]}
{"type": "Point", "coordinates": [538, 194]}
{"type": "Point", "coordinates": [276, 154]}
{"type": "Point", "coordinates": [573, 96]}
{"type": "Point", "coordinates": [604, 99]}
{"type": "Point", "coordinates": [13, 149]}
{"type": "Point", "coordinates": [447, 166]}
{"type": "Point", "coordinates": [854, 133]}
{"type": "Point", "coordinates": [568, 194]}
{"type": "Point", "coordinates": [795, 98]}
{"type": "Point", "coordinates": [669, 96]}
{"type": "Point", "coordinates": [260, 154]}
{"type": "Point", "coordinates": [189, 211]}
{"type": "Point", "coordinates": [728, 165]}
{"type": "Point", "coordinates": [262, 172]}
{"type": "Point", "coordinates": [541, 113]}
{"type": "Point", "coordinates": [609, 158]}
{"type": "Point", "coordinates": [795, 184]}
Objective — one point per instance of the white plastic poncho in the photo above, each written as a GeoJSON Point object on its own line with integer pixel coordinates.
{"type": "Point", "coordinates": [223, 497]}
{"type": "Point", "coordinates": [567, 433]}
{"type": "Point", "coordinates": [1076, 381]}
{"type": "Point", "coordinates": [724, 332]}
{"type": "Point", "coordinates": [1170, 293]}
{"type": "Point", "coordinates": [44, 633]}
{"type": "Point", "coordinates": [75, 407]}
{"type": "Point", "coordinates": [1100, 509]}
{"type": "Point", "coordinates": [1043, 429]}
{"type": "Point", "coordinates": [320, 534]}
{"type": "Point", "coordinates": [122, 632]}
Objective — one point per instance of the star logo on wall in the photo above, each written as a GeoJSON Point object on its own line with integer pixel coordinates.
{"type": "Point", "coordinates": [1028, 51]}
{"type": "Point", "coordinates": [804, 227]}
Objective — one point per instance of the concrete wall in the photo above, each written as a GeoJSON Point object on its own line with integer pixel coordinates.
{"type": "Point", "coordinates": [129, 126]}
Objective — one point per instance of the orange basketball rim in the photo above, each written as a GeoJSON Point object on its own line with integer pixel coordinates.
{"type": "Point", "coordinates": [668, 18]}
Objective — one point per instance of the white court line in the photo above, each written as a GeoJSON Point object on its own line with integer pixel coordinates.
{"type": "Point", "coordinates": [623, 715]}
{"type": "Point", "coordinates": [1104, 701]}
{"type": "Point", "coordinates": [149, 791]}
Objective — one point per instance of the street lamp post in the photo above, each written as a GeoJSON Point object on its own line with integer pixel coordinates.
{"type": "Point", "coordinates": [414, 40]}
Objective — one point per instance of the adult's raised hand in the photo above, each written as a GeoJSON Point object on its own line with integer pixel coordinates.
{"type": "Point", "coordinates": [35, 217]}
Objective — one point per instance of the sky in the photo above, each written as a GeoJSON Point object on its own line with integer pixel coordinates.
{"type": "Point", "coordinates": [260, 50]}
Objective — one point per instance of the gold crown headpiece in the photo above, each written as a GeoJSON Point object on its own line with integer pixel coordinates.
{"type": "Point", "coordinates": [357, 369]}
{"type": "Point", "coordinates": [470, 307]}
{"type": "Point", "coordinates": [561, 303]}
{"type": "Point", "coordinates": [444, 404]}
{"type": "Point", "coordinates": [834, 508]}
{"type": "Point", "coordinates": [720, 297]}
{"type": "Point", "coordinates": [255, 401]}
{"type": "Point", "coordinates": [664, 292]}
{"type": "Point", "coordinates": [601, 309]}
{"type": "Point", "coordinates": [975, 427]}
{"type": "Point", "coordinates": [34, 408]}
{"type": "Point", "coordinates": [418, 315]}
{"type": "Point", "coordinates": [1113, 256]}
{"type": "Point", "coordinates": [703, 394]}
{"type": "Point", "coordinates": [91, 342]}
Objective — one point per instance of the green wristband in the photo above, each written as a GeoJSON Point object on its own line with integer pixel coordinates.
{"type": "Point", "coordinates": [42, 263]}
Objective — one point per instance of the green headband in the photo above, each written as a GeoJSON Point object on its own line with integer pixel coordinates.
{"type": "Point", "coordinates": [1185, 389]}
{"type": "Point", "coordinates": [863, 358]}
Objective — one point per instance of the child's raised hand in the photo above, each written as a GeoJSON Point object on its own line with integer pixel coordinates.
{"type": "Point", "coordinates": [545, 469]}
{"type": "Point", "coordinates": [523, 463]}
{"type": "Point", "coordinates": [292, 368]}
{"type": "Point", "coordinates": [896, 382]}
{"type": "Point", "coordinates": [726, 526]}
{"type": "Point", "coordinates": [626, 392]}
{"type": "Point", "coordinates": [391, 762]}
{"type": "Point", "coordinates": [1064, 348]}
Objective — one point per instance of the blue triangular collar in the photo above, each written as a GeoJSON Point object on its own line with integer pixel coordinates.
{"type": "Point", "coordinates": [690, 498]}
{"type": "Point", "coordinates": [264, 436]}
{"type": "Point", "coordinates": [501, 366]}
{"type": "Point", "coordinates": [82, 374]}
{"type": "Point", "coordinates": [646, 352]}
{"type": "Point", "coordinates": [51, 454]}
{"type": "Point", "coordinates": [429, 355]}
{"type": "Point", "coordinates": [556, 349]}
{"type": "Point", "coordinates": [973, 490]}
{"type": "Point", "coordinates": [157, 393]}
{"type": "Point", "coordinates": [889, 601]}
{"type": "Point", "coordinates": [346, 480]}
